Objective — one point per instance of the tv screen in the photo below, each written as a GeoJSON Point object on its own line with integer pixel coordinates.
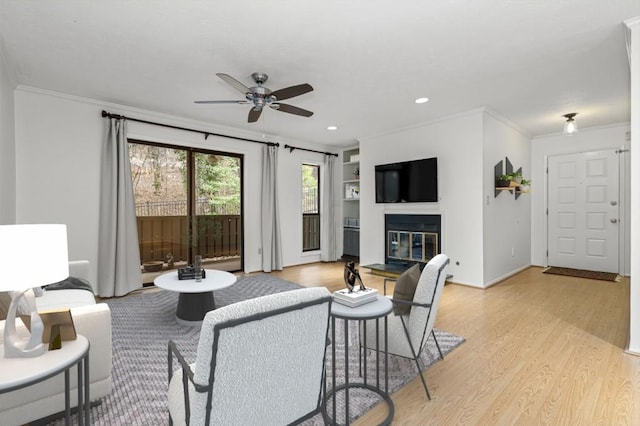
{"type": "Point", "coordinates": [407, 182]}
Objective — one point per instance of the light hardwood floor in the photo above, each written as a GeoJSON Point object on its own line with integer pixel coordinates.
{"type": "Point", "coordinates": [540, 349]}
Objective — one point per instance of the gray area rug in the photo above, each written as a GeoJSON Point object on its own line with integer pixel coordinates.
{"type": "Point", "coordinates": [143, 323]}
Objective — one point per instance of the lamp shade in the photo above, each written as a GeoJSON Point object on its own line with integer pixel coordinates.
{"type": "Point", "coordinates": [32, 256]}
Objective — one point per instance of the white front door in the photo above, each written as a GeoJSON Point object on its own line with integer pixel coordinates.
{"type": "Point", "coordinates": [583, 211]}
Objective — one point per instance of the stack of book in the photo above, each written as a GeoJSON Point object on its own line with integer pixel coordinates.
{"type": "Point", "coordinates": [189, 273]}
{"type": "Point", "coordinates": [356, 297]}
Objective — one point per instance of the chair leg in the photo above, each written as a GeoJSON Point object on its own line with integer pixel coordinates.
{"type": "Point", "coordinates": [415, 358]}
{"type": "Point", "coordinates": [424, 384]}
{"type": "Point", "coordinates": [437, 344]}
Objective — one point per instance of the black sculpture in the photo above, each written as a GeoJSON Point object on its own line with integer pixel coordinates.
{"type": "Point", "coordinates": [351, 274]}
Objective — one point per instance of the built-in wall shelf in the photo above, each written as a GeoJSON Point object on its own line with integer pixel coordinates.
{"type": "Point", "coordinates": [351, 201]}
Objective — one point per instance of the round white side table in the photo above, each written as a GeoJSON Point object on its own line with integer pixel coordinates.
{"type": "Point", "coordinates": [375, 310]}
{"type": "Point", "coordinates": [18, 373]}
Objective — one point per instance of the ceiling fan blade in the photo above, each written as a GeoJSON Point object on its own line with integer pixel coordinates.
{"type": "Point", "coordinates": [233, 82]}
{"type": "Point", "coordinates": [292, 109]}
{"type": "Point", "coordinates": [222, 102]}
{"type": "Point", "coordinates": [254, 114]}
{"type": "Point", "coordinates": [290, 92]}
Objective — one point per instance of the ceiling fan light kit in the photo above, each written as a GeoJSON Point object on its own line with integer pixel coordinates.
{"type": "Point", "coordinates": [260, 96]}
{"type": "Point", "coordinates": [570, 126]}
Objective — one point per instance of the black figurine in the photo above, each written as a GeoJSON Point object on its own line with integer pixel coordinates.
{"type": "Point", "coordinates": [351, 274]}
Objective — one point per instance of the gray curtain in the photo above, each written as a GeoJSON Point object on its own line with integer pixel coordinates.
{"type": "Point", "coordinates": [118, 252]}
{"type": "Point", "coordinates": [328, 224]}
{"type": "Point", "coordinates": [271, 244]}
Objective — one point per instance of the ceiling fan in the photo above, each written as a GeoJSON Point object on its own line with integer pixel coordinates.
{"type": "Point", "coordinates": [260, 96]}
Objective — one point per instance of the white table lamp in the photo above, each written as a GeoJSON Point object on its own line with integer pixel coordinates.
{"type": "Point", "coordinates": [30, 256]}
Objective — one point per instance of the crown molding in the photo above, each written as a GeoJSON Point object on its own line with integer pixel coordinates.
{"type": "Point", "coordinates": [170, 119]}
{"type": "Point", "coordinates": [584, 130]}
{"type": "Point", "coordinates": [475, 111]}
{"type": "Point", "coordinates": [633, 23]}
{"type": "Point", "coordinates": [504, 120]}
{"type": "Point", "coordinates": [463, 114]}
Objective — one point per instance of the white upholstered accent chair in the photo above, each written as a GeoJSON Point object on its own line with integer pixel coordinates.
{"type": "Point", "coordinates": [408, 334]}
{"type": "Point", "coordinates": [260, 361]}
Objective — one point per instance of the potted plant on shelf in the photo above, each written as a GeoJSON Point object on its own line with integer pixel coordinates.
{"type": "Point", "coordinates": [503, 181]}
{"type": "Point", "coordinates": [524, 186]}
{"type": "Point", "coordinates": [356, 173]}
{"type": "Point", "coordinates": [516, 178]}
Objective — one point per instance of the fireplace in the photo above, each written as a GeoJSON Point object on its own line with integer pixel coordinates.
{"type": "Point", "coordinates": [411, 238]}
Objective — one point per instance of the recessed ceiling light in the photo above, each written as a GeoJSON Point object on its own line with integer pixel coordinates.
{"type": "Point", "coordinates": [422, 100]}
{"type": "Point", "coordinates": [332, 128]}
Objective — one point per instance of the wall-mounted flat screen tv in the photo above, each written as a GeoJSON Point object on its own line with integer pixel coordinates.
{"type": "Point", "coordinates": [407, 182]}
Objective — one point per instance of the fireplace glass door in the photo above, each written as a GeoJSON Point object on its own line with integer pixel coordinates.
{"type": "Point", "coordinates": [412, 246]}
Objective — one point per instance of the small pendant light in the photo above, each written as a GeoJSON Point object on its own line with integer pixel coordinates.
{"type": "Point", "coordinates": [570, 126]}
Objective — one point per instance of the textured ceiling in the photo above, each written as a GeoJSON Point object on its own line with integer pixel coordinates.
{"type": "Point", "coordinates": [529, 60]}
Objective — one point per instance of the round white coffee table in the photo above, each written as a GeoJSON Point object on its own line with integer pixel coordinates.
{"type": "Point", "coordinates": [196, 298]}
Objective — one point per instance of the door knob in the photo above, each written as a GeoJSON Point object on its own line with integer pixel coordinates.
{"type": "Point", "coordinates": [614, 220]}
{"type": "Point", "coordinates": [614, 203]}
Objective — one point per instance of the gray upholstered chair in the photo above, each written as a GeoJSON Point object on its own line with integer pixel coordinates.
{"type": "Point", "coordinates": [260, 361]}
{"type": "Point", "coordinates": [408, 334]}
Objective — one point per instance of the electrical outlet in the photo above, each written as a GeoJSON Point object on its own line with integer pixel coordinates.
{"type": "Point", "coordinates": [513, 251]}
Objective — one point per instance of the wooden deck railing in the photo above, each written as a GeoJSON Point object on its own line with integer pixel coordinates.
{"type": "Point", "coordinates": [310, 231]}
{"type": "Point", "coordinates": [217, 236]}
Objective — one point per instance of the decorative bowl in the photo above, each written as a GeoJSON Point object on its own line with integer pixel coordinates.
{"type": "Point", "coordinates": [154, 266]}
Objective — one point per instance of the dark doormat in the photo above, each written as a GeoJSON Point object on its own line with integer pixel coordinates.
{"type": "Point", "coordinates": [581, 273]}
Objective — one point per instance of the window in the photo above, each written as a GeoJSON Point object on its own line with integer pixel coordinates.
{"type": "Point", "coordinates": [188, 202]}
{"type": "Point", "coordinates": [310, 207]}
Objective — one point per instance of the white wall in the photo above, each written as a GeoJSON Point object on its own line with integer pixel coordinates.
{"type": "Point", "coordinates": [7, 141]}
{"type": "Point", "coordinates": [507, 221]}
{"type": "Point", "coordinates": [587, 139]}
{"type": "Point", "coordinates": [58, 141]}
{"type": "Point", "coordinates": [457, 142]}
{"type": "Point", "coordinates": [634, 320]}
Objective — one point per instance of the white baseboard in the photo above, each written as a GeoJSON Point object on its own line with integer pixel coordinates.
{"type": "Point", "coordinates": [505, 276]}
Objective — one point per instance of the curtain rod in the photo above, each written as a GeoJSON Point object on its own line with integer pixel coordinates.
{"type": "Point", "coordinates": [291, 148]}
{"type": "Point", "coordinates": [206, 134]}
